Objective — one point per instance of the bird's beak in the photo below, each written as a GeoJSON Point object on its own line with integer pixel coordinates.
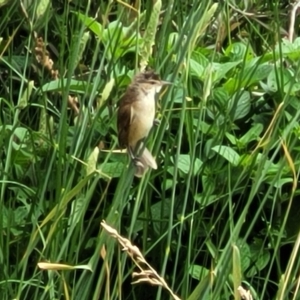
{"type": "Point", "coordinates": [166, 82]}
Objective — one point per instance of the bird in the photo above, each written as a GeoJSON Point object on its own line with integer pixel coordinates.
{"type": "Point", "coordinates": [136, 117]}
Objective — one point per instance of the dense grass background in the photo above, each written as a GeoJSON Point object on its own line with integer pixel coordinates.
{"type": "Point", "coordinates": [221, 211]}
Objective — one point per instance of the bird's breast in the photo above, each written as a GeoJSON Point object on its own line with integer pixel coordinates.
{"type": "Point", "coordinates": [143, 113]}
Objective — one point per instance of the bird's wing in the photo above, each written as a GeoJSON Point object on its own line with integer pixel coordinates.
{"type": "Point", "coordinates": [123, 123]}
{"type": "Point", "coordinates": [124, 119]}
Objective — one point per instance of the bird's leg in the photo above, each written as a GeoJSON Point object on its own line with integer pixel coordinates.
{"type": "Point", "coordinates": [134, 158]}
{"type": "Point", "coordinates": [130, 152]}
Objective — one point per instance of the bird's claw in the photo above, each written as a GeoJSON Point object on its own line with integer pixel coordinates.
{"type": "Point", "coordinates": [137, 162]}
{"type": "Point", "coordinates": [156, 122]}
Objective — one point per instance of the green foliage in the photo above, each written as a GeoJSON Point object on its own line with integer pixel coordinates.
{"type": "Point", "coordinates": [222, 208]}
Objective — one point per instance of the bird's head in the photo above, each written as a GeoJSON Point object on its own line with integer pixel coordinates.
{"type": "Point", "coordinates": [149, 81]}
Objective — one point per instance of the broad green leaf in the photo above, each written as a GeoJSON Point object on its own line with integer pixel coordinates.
{"type": "Point", "coordinates": [22, 156]}
{"type": "Point", "coordinates": [221, 96]}
{"type": "Point", "coordinates": [280, 182]}
{"type": "Point", "coordinates": [158, 210]}
{"type": "Point", "coordinates": [228, 153]}
{"type": "Point", "coordinates": [21, 133]}
{"type": "Point", "coordinates": [231, 138]}
{"type": "Point", "coordinates": [289, 84]}
{"type": "Point", "coordinates": [251, 74]}
{"type": "Point", "coordinates": [168, 184]}
{"type": "Point", "coordinates": [200, 58]}
{"type": "Point", "coordinates": [240, 107]}
{"type": "Point", "coordinates": [260, 257]}
{"type": "Point", "coordinates": [20, 213]}
{"type": "Point", "coordinates": [16, 62]}
{"type": "Point", "coordinates": [14, 220]}
{"type": "Point", "coordinates": [237, 52]}
{"type": "Point", "coordinates": [221, 69]}
{"type": "Point", "coordinates": [254, 74]}
{"type": "Point", "coordinates": [204, 127]}
{"type": "Point", "coordinates": [113, 34]}
{"type": "Point", "coordinates": [272, 168]}
{"type": "Point", "coordinates": [272, 81]}
{"type": "Point", "coordinates": [196, 69]}
{"type": "Point", "coordinates": [184, 164]}
{"type": "Point", "coordinates": [179, 95]}
{"type": "Point", "coordinates": [112, 169]}
{"type": "Point", "coordinates": [252, 134]}
{"type": "Point", "coordinates": [117, 41]}
{"type": "Point", "coordinates": [198, 272]}
{"type": "Point", "coordinates": [91, 23]}
{"type": "Point", "coordinates": [245, 254]}
{"type": "Point", "coordinates": [289, 49]}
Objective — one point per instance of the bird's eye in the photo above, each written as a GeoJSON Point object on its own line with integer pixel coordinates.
{"type": "Point", "coordinates": [153, 82]}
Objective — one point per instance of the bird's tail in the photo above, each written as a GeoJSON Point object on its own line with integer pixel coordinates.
{"type": "Point", "coordinates": [144, 162]}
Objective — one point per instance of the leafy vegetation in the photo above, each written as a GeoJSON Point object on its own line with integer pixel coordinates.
{"type": "Point", "coordinates": [222, 209]}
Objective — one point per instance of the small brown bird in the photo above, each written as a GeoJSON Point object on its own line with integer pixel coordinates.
{"type": "Point", "coordinates": [136, 117]}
